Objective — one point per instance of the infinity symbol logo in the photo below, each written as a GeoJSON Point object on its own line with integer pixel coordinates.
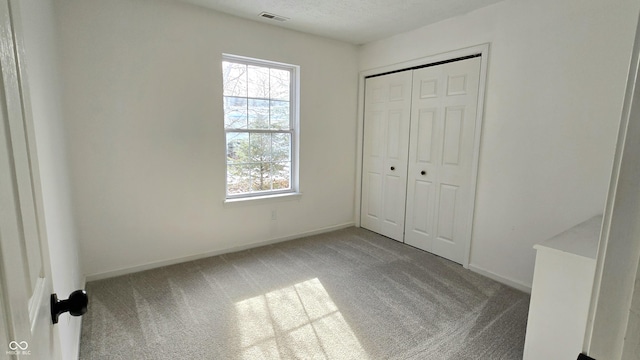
{"type": "Point", "coordinates": [22, 345]}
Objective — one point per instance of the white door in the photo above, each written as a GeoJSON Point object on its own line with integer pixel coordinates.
{"type": "Point", "coordinates": [385, 150]}
{"type": "Point", "coordinates": [27, 330]}
{"type": "Point", "coordinates": [443, 121]}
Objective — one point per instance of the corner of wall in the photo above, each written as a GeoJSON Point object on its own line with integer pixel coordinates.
{"type": "Point", "coordinates": [501, 279]}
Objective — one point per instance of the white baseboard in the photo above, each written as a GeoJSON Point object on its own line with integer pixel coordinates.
{"type": "Point", "coordinates": [157, 264]}
{"type": "Point", "coordinates": [501, 279]}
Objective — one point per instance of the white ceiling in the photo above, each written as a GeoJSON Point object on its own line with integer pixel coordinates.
{"type": "Point", "coordinates": [353, 21]}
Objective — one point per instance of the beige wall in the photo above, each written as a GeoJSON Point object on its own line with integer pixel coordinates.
{"type": "Point", "coordinates": [555, 87]}
{"type": "Point", "coordinates": [143, 93]}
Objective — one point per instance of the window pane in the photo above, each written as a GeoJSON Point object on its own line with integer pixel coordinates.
{"type": "Point", "coordinates": [258, 114]}
{"type": "Point", "coordinates": [280, 84]}
{"type": "Point", "coordinates": [281, 175]}
{"type": "Point", "coordinates": [258, 82]}
{"type": "Point", "coordinates": [260, 147]}
{"type": "Point", "coordinates": [261, 176]}
{"type": "Point", "coordinates": [235, 112]}
{"type": "Point", "coordinates": [238, 179]}
{"type": "Point", "coordinates": [234, 77]}
{"type": "Point", "coordinates": [237, 147]}
{"type": "Point", "coordinates": [259, 127]}
{"type": "Point", "coordinates": [280, 115]}
{"type": "Point", "coordinates": [281, 147]}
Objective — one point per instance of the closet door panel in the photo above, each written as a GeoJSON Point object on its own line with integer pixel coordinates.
{"type": "Point", "coordinates": [423, 155]}
{"type": "Point", "coordinates": [449, 92]}
{"type": "Point", "coordinates": [422, 217]}
{"type": "Point", "coordinates": [385, 153]}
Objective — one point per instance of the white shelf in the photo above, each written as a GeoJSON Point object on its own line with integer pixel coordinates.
{"type": "Point", "coordinates": [581, 240]}
{"type": "Point", "coordinates": [561, 292]}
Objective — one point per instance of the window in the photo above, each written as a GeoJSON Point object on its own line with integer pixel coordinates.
{"type": "Point", "coordinates": [260, 122]}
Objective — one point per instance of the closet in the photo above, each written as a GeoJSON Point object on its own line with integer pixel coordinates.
{"type": "Point", "coordinates": [418, 155]}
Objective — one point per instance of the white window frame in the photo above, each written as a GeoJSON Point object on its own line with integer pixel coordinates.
{"type": "Point", "coordinates": [294, 131]}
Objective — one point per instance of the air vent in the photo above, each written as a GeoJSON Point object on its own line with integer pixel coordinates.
{"type": "Point", "coordinates": [275, 17]}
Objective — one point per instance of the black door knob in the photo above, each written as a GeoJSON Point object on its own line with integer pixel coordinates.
{"type": "Point", "coordinates": [76, 305]}
{"type": "Point", "coordinates": [423, 172]}
{"type": "Point", "coordinates": [392, 168]}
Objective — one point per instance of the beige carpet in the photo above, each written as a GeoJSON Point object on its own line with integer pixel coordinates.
{"type": "Point", "coordinates": [349, 294]}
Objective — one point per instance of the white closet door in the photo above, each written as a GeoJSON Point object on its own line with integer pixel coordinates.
{"type": "Point", "coordinates": [443, 120]}
{"type": "Point", "coordinates": [385, 152]}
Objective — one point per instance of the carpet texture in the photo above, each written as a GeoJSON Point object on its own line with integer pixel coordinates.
{"type": "Point", "coordinates": [348, 294]}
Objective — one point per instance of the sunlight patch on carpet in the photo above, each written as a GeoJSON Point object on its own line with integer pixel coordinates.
{"type": "Point", "coordinates": [299, 321]}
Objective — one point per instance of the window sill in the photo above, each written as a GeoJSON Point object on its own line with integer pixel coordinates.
{"type": "Point", "coordinates": [262, 199]}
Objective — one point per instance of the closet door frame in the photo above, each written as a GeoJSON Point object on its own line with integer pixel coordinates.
{"type": "Point", "coordinates": [483, 50]}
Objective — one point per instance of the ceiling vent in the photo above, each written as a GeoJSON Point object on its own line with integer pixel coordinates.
{"type": "Point", "coordinates": [275, 17]}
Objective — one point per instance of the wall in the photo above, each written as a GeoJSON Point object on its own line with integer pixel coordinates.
{"type": "Point", "coordinates": [143, 93]}
{"type": "Point", "coordinates": [613, 313]}
{"type": "Point", "coordinates": [555, 86]}
{"type": "Point", "coordinates": [42, 64]}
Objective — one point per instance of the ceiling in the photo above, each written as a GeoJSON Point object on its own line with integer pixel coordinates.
{"type": "Point", "coordinates": [353, 21]}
